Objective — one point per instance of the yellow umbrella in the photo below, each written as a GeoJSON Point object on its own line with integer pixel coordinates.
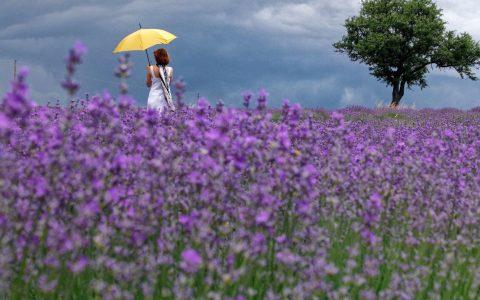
{"type": "Point", "coordinates": [143, 39]}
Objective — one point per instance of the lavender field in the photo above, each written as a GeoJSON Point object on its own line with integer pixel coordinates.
{"type": "Point", "coordinates": [107, 200]}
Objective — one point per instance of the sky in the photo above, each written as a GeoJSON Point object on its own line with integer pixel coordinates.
{"type": "Point", "coordinates": [224, 47]}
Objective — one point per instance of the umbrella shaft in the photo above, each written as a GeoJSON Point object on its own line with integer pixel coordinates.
{"type": "Point", "coordinates": [148, 58]}
{"type": "Point", "coordinates": [146, 52]}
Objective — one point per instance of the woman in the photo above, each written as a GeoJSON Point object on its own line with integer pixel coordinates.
{"type": "Point", "coordinates": [159, 78]}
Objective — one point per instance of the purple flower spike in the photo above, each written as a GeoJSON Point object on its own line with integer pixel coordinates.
{"type": "Point", "coordinates": [4, 121]}
{"type": "Point", "coordinates": [247, 97]}
{"type": "Point", "coordinates": [123, 72]}
{"type": "Point", "coordinates": [203, 103]}
{"type": "Point", "coordinates": [79, 50]}
{"type": "Point", "coordinates": [180, 89]}
{"type": "Point", "coordinates": [16, 106]}
{"type": "Point", "coordinates": [371, 218]}
{"type": "Point", "coordinates": [191, 261]}
{"type": "Point", "coordinates": [262, 100]}
{"type": "Point", "coordinates": [80, 265]}
{"type": "Point", "coordinates": [74, 58]}
{"type": "Point", "coordinates": [262, 217]}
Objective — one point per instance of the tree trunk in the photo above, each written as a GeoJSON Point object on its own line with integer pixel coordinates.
{"type": "Point", "coordinates": [395, 99]}
{"type": "Point", "coordinates": [397, 94]}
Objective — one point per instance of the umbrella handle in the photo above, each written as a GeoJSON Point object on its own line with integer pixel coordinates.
{"type": "Point", "coordinates": [146, 52]}
{"type": "Point", "coordinates": [148, 58]}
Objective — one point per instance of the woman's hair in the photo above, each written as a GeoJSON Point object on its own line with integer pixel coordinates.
{"type": "Point", "coordinates": [161, 56]}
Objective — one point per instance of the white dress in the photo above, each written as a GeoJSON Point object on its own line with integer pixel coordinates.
{"type": "Point", "coordinates": [160, 96]}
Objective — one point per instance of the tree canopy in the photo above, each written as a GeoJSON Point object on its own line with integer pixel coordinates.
{"type": "Point", "coordinates": [402, 40]}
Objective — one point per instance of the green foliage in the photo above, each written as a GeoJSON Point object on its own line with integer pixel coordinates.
{"type": "Point", "coordinates": [401, 39]}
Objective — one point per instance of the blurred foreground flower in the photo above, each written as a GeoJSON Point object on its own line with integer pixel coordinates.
{"type": "Point", "coordinates": [74, 58]}
{"type": "Point", "coordinates": [191, 261]}
{"type": "Point", "coordinates": [123, 72]}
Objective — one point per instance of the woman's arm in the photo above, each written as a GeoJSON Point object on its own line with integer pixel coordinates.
{"type": "Point", "coordinates": [149, 77]}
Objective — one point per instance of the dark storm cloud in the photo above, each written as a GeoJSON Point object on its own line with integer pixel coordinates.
{"type": "Point", "coordinates": [224, 48]}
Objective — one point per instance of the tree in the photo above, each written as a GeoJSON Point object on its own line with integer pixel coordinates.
{"type": "Point", "coordinates": [402, 40]}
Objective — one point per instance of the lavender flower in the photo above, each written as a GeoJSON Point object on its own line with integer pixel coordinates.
{"type": "Point", "coordinates": [79, 265]}
{"type": "Point", "coordinates": [262, 100]}
{"type": "Point", "coordinates": [75, 58]}
{"type": "Point", "coordinates": [247, 97]}
{"type": "Point", "coordinates": [16, 106]}
{"type": "Point", "coordinates": [191, 261]}
{"type": "Point", "coordinates": [180, 88]}
{"type": "Point", "coordinates": [371, 217]}
{"type": "Point", "coordinates": [220, 106]}
{"type": "Point", "coordinates": [123, 72]}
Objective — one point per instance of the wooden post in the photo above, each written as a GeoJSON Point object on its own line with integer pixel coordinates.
{"type": "Point", "coordinates": [14, 69]}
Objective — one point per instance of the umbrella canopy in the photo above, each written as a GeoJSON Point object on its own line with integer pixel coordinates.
{"type": "Point", "coordinates": [143, 39]}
